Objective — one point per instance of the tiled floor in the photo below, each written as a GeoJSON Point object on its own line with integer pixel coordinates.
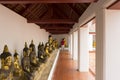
{"type": "Point", "coordinates": [66, 69]}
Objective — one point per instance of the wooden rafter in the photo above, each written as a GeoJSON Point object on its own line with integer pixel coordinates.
{"type": "Point", "coordinates": [58, 30]}
{"type": "Point", "coordinates": [52, 21]}
{"type": "Point", "coordinates": [55, 27]}
{"type": "Point", "coordinates": [59, 12]}
{"type": "Point", "coordinates": [72, 10]}
{"type": "Point", "coordinates": [46, 1]}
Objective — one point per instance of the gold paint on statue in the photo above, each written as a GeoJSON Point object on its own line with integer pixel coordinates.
{"type": "Point", "coordinates": [6, 70]}
{"type": "Point", "coordinates": [17, 67]}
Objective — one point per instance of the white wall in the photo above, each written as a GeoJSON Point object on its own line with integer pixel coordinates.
{"type": "Point", "coordinates": [59, 37]}
{"type": "Point", "coordinates": [112, 39]}
{"type": "Point", "coordinates": [15, 31]}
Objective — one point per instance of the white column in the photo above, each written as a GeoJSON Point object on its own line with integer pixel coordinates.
{"type": "Point", "coordinates": [72, 45]}
{"type": "Point", "coordinates": [112, 45]}
{"type": "Point", "coordinates": [69, 43]}
{"type": "Point", "coordinates": [84, 50]}
{"type": "Point", "coordinates": [75, 57]}
{"type": "Point", "coordinates": [79, 49]}
{"type": "Point", "coordinates": [100, 44]}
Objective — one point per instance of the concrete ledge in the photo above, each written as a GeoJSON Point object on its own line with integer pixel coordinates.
{"type": "Point", "coordinates": [53, 67]}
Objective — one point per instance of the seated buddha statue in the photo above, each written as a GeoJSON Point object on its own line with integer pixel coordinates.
{"type": "Point", "coordinates": [33, 59]}
{"type": "Point", "coordinates": [26, 65]}
{"type": "Point", "coordinates": [41, 53]}
{"type": "Point", "coordinates": [17, 67]}
{"type": "Point", "coordinates": [47, 53]}
{"type": "Point", "coordinates": [50, 41]}
{"type": "Point", "coordinates": [6, 71]}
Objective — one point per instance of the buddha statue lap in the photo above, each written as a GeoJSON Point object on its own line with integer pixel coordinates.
{"type": "Point", "coordinates": [33, 59]}
{"type": "Point", "coordinates": [6, 71]}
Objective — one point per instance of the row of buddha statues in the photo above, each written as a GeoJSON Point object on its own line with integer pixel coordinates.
{"type": "Point", "coordinates": [11, 69]}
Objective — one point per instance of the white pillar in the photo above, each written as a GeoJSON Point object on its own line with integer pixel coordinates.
{"type": "Point", "coordinates": [84, 50]}
{"type": "Point", "coordinates": [112, 45]}
{"type": "Point", "coordinates": [79, 49]}
{"type": "Point", "coordinates": [72, 45]}
{"type": "Point", "coordinates": [69, 43]}
{"type": "Point", "coordinates": [75, 57]}
{"type": "Point", "coordinates": [100, 44]}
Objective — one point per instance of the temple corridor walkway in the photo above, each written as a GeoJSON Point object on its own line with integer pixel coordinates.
{"type": "Point", "coordinates": [66, 69]}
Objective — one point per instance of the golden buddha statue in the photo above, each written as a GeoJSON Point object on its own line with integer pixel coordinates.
{"type": "Point", "coordinates": [17, 67]}
{"type": "Point", "coordinates": [50, 39]}
{"type": "Point", "coordinates": [41, 53]}
{"type": "Point", "coordinates": [47, 49]}
{"type": "Point", "coordinates": [26, 65]}
{"type": "Point", "coordinates": [6, 62]}
{"type": "Point", "coordinates": [33, 59]}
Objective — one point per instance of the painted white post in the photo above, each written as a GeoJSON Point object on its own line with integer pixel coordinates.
{"type": "Point", "coordinates": [72, 45]}
{"type": "Point", "coordinates": [100, 44]}
{"type": "Point", "coordinates": [75, 46]}
{"type": "Point", "coordinates": [79, 49]}
{"type": "Point", "coordinates": [112, 45]}
{"type": "Point", "coordinates": [84, 50]}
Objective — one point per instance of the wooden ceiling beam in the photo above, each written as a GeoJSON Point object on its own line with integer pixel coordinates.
{"type": "Point", "coordinates": [65, 29]}
{"type": "Point", "coordinates": [46, 1]}
{"type": "Point", "coordinates": [59, 30]}
{"type": "Point", "coordinates": [55, 27]}
{"type": "Point", "coordinates": [52, 21]}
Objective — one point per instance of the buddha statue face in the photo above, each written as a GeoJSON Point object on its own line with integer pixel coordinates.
{"type": "Point", "coordinates": [8, 61]}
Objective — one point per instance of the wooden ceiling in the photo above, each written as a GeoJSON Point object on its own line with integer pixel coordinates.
{"type": "Point", "coordinates": [115, 5]}
{"type": "Point", "coordinates": [55, 16]}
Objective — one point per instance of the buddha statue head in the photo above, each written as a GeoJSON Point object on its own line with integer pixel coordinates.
{"type": "Point", "coordinates": [16, 56]}
{"type": "Point", "coordinates": [32, 42]}
{"type": "Point", "coordinates": [25, 44]}
{"type": "Point", "coordinates": [39, 45]}
{"type": "Point", "coordinates": [50, 39]}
